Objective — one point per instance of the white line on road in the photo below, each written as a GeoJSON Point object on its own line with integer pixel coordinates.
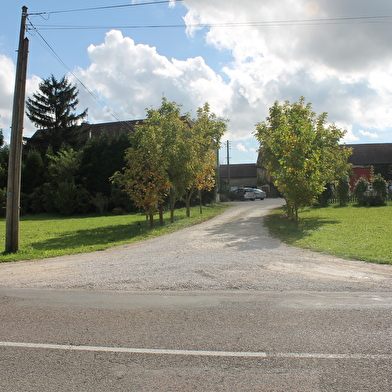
{"type": "Point", "coordinates": [239, 354]}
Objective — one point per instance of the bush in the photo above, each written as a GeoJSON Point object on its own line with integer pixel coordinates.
{"type": "Point", "coordinates": [343, 191]}
{"type": "Point", "coordinates": [100, 201]}
{"type": "Point", "coordinates": [65, 198]}
{"type": "Point", "coordinates": [380, 186]}
{"type": "Point", "coordinates": [360, 191]}
{"type": "Point", "coordinates": [3, 199]}
{"type": "Point", "coordinates": [118, 211]}
{"type": "Point", "coordinates": [83, 200]}
{"type": "Point", "coordinates": [374, 197]}
{"type": "Point", "coordinates": [326, 195]}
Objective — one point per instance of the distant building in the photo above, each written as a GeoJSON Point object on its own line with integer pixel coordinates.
{"type": "Point", "coordinates": [366, 156]}
{"type": "Point", "coordinates": [239, 175]}
{"type": "Point", "coordinates": [363, 158]}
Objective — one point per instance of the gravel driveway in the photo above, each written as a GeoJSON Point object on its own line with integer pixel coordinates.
{"type": "Point", "coordinates": [230, 252]}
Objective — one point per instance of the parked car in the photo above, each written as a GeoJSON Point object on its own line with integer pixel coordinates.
{"type": "Point", "coordinates": [242, 194]}
{"type": "Point", "coordinates": [259, 194]}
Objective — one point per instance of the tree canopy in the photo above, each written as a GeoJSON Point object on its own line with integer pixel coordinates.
{"type": "Point", "coordinates": [300, 152]}
{"type": "Point", "coordinates": [169, 156]}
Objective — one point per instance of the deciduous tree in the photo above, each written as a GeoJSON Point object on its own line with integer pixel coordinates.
{"type": "Point", "coordinates": [300, 152]}
{"type": "Point", "coordinates": [144, 177]}
{"type": "Point", "coordinates": [206, 134]}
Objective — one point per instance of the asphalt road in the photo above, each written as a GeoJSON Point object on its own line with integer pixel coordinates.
{"type": "Point", "coordinates": [216, 307]}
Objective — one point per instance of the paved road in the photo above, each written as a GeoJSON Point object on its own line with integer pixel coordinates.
{"type": "Point", "coordinates": [217, 307]}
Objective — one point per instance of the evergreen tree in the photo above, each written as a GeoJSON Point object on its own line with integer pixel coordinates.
{"type": "Point", "coordinates": [51, 109]}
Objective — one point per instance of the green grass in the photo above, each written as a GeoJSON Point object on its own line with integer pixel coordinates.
{"type": "Point", "coordinates": [352, 232]}
{"type": "Point", "coordinates": [43, 236]}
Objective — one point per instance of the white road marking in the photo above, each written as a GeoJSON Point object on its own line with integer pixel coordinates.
{"type": "Point", "coordinates": [203, 353]}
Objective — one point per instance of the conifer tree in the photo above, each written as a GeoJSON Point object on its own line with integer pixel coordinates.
{"type": "Point", "coordinates": [51, 109]}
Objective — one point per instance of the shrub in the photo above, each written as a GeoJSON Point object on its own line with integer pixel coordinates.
{"type": "Point", "coordinates": [378, 195]}
{"type": "Point", "coordinates": [3, 199]}
{"type": "Point", "coordinates": [118, 211]}
{"type": "Point", "coordinates": [83, 200]}
{"type": "Point", "coordinates": [343, 191]}
{"type": "Point", "coordinates": [380, 186]}
{"type": "Point", "coordinates": [374, 199]}
{"type": "Point", "coordinates": [100, 201]}
{"type": "Point", "coordinates": [65, 198]}
{"type": "Point", "coordinates": [360, 190]}
{"type": "Point", "coordinates": [327, 194]}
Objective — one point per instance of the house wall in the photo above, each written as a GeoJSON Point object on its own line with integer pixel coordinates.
{"type": "Point", "coordinates": [243, 182]}
{"type": "Point", "coordinates": [360, 172]}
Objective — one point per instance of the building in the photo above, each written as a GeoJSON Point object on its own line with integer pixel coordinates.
{"type": "Point", "coordinates": [367, 156]}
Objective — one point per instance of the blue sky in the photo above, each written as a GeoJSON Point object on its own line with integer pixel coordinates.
{"type": "Point", "coordinates": [238, 56]}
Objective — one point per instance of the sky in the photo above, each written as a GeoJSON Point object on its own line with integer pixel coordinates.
{"type": "Point", "coordinates": [239, 56]}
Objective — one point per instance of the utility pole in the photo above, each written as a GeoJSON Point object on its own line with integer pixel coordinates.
{"type": "Point", "coordinates": [15, 157]}
{"type": "Point", "coordinates": [228, 164]}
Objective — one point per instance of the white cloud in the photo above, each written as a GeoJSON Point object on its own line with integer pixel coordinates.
{"type": "Point", "coordinates": [7, 77]}
{"type": "Point", "coordinates": [134, 77]}
{"type": "Point", "coordinates": [241, 147]}
{"type": "Point", "coordinates": [350, 136]}
{"type": "Point", "coordinates": [372, 135]}
{"type": "Point", "coordinates": [7, 83]}
{"type": "Point", "coordinates": [343, 68]}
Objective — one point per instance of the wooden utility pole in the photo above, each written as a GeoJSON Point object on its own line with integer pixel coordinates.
{"type": "Point", "coordinates": [15, 157]}
{"type": "Point", "coordinates": [228, 165]}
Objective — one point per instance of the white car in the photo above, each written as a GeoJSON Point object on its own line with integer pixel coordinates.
{"type": "Point", "coordinates": [259, 194]}
{"type": "Point", "coordinates": [242, 194]}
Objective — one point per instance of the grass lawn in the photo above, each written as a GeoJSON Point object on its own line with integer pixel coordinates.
{"type": "Point", "coordinates": [352, 232]}
{"type": "Point", "coordinates": [43, 236]}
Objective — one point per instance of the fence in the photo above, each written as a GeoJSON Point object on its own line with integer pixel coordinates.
{"type": "Point", "coordinates": [335, 200]}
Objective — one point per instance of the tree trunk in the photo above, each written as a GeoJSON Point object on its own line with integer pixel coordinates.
{"type": "Point", "coordinates": [188, 203]}
{"type": "Point", "coordinates": [172, 204]}
{"type": "Point", "coordinates": [161, 221]}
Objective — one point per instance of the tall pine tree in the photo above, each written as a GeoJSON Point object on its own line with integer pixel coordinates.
{"type": "Point", "coordinates": [51, 110]}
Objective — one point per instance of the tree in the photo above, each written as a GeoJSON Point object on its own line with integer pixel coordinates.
{"type": "Point", "coordinates": [60, 192]}
{"type": "Point", "coordinates": [300, 152]}
{"type": "Point", "coordinates": [51, 110]}
{"type": "Point", "coordinates": [169, 157]}
{"type": "Point", "coordinates": [145, 177]}
{"type": "Point", "coordinates": [33, 172]}
{"type": "Point", "coordinates": [100, 158]}
{"type": "Point", "coordinates": [206, 133]}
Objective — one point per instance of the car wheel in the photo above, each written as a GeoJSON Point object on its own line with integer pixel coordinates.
{"type": "Point", "coordinates": [242, 198]}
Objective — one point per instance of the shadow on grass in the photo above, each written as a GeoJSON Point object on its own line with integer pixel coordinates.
{"type": "Point", "coordinates": [92, 237]}
{"type": "Point", "coordinates": [288, 231]}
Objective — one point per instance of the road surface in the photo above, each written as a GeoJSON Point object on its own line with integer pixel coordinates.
{"type": "Point", "coordinates": [220, 306]}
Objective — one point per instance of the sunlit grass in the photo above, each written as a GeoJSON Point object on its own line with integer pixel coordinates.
{"type": "Point", "coordinates": [43, 236]}
{"type": "Point", "coordinates": [361, 233]}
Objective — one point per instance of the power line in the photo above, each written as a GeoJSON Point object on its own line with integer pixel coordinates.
{"type": "Point", "coordinates": [46, 44]}
{"type": "Point", "coordinates": [277, 23]}
{"type": "Point", "coordinates": [108, 7]}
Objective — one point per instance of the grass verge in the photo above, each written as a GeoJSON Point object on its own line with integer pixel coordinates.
{"type": "Point", "coordinates": [42, 236]}
{"type": "Point", "coordinates": [352, 232]}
